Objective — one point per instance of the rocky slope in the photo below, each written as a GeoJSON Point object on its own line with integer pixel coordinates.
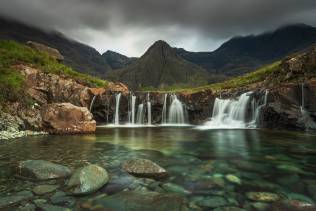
{"type": "Point", "coordinates": [159, 67]}
{"type": "Point", "coordinates": [245, 53]}
{"type": "Point", "coordinates": [77, 55]}
{"type": "Point", "coordinates": [117, 60]}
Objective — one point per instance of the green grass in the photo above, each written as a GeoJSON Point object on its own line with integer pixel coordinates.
{"type": "Point", "coordinates": [12, 82]}
{"type": "Point", "coordinates": [241, 81]}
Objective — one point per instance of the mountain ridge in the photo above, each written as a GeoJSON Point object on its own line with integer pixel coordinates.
{"type": "Point", "coordinates": [160, 66]}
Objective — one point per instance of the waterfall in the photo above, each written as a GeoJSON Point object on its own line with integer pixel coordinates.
{"type": "Point", "coordinates": [257, 109]}
{"type": "Point", "coordinates": [92, 102]}
{"type": "Point", "coordinates": [229, 113]}
{"type": "Point", "coordinates": [149, 113]}
{"type": "Point", "coordinates": [140, 114]}
{"type": "Point", "coordinates": [176, 111]}
{"type": "Point", "coordinates": [117, 108]}
{"type": "Point", "coordinates": [131, 109]}
{"type": "Point", "coordinates": [306, 119]}
{"type": "Point", "coordinates": [148, 110]}
{"type": "Point", "coordinates": [164, 110]}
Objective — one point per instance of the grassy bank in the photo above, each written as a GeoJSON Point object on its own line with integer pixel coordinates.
{"type": "Point", "coordinates": [12, 82]}
{"type": "Point", "coordinates": [258, 75]}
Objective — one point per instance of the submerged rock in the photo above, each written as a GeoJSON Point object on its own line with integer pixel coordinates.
{"type": "Point", "coordinates": [49, 207]}
{"type": "Point", "coordinates": [212, 202]}
{"type": "Point", "coordinates": [42, 170]}
{"type": "Point", "coordinates": [144, 201]}
{"type": "Point", "coordinates": [43, 189]}
{"type": "Point", "coordinates": [170, 187]}
{"type": "Point", "coordinates": [14, 199]}
{"type": "Point", "coordinates": [144, 168]}
{"type": "Point", "coordinates": [262, 196]}
{"type": "Point", "coordinates": [87, 180]}
{"type": "Point", "coordinates": [233, 179]}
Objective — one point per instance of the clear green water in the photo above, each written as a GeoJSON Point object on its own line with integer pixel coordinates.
{"type": "Point", "coordinates": [271, 161]}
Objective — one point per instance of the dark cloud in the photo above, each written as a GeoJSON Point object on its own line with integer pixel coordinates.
{"type": "Point", "coordinates": [199, 22]}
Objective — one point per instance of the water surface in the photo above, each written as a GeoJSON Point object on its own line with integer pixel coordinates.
{"type": "Point", "coordinates": [263, 160]}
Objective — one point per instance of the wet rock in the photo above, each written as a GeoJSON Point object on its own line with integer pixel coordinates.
{"type": "Point", "coordinates": [49, 207]}
{"type": "Point", "coordinates": [27, 207]}
{"type": "Point", "coordinates": [299, 197]}
{"type": "Point", "coordinates": [262, 196]}
{"type": "Point", "coordinates": [8, 201]}
{"type": "Point", "coordinates": [118, 183]}
{"type": "Point", "coordinates": [42, 170]}
{"type": "Point", "coordinates": [170, 187]}
{"type": "Point", "coordinates": [290, 168]}
{"type": "Point", "coordinates": [145, 201]}
{"type": "Point", "coordinates": [144, 168]}
{"type": "Point", "coordinates": [64, 201]}
{"type": "Point", "coordinates": [39, 201]}
{"type": "Point", "coordinates": [292, 205]}
{"type": "Point", "coordinates": [212, 202]}
{"type": "Point", "coordinates": [66, 118]}
{"type": "Point", "coordinates": [258, 206]}
{"type": "Point", "coordinates": [203, 186]}
{"type": "Point", "coordinates": [229, 209]}
{"type": "Point", "coordinates": [233, 179]}
{"type": "Point", "coordinates": [44, 189]}
{"type": "Point", "coordinates": [87, 180]}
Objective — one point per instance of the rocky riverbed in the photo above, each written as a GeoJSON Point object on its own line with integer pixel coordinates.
{"type": "Point", "coordinates": [188, 170]}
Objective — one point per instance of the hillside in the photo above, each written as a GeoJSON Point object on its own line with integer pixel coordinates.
{"type": "Point", "coordinates": [117, 60]}
{"type": "Point", "coordinates": [245, 53]}
{"type": "Point", "coordinates": [79, 56]}
{"type": "Point", "coordinates": [159, 67]}
{"type": "Point", "coordinates": [297, 68]}
{"type": "Point", "coordinates": [12, 81]}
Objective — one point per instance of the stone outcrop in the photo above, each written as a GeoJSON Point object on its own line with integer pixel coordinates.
{"type": "Point", "coordinates": [42, 170]}
{"type": "Point", "coordinates": [65, 118]}
{"type": "Point", "coordinates": [52, 52]}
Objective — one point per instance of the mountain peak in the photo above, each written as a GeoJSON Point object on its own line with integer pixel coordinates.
{"type": "Point", "coordinates": [160, 48]}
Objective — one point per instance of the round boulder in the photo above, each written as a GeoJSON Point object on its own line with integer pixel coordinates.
{"type": "Point", "coordinates": [144, 168]}
{"type": "Point", "coordinates": [87, 180]}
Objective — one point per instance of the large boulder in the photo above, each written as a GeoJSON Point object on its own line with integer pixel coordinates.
{"type": "Point", "coordinates": [42, 170]}
{"type": "Point", "coordinates": [144, 168]}
{"type": "Point", "coordinates": [87, 180]}
{"type": "Point", "coordinates": [52, 52]}
{"type": "Point", "coordinates": [65, 118]}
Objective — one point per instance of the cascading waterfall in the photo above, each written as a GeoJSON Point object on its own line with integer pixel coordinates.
{"type": "Point", "coordinates": [148, 110]}
{"type": "Point", "coordinates": [140, 114]}
{"type": "Point", "coordinates": [176, 111]}
{"type": "Point", "coordinates": [131, 112]}
{"type": "Point", "coordinates": [117, 108]}
{"type": "Point", "coordinates": [164, 110]}
{"type": "Point", "coordinates": [229, 113]}
{"type": "Point", "coordinates": [257, 109]}
{"type": "Point", "coordinates": [92, 102]}
{"type": "Point", "coordinates": [306, 118]}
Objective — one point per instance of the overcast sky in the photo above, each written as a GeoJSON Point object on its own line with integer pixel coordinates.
{"type": "Point", "coordinates": [131, 26]}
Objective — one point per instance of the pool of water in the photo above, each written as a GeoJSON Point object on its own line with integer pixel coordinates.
{"type": "Point", "coordinates": [219, 163]}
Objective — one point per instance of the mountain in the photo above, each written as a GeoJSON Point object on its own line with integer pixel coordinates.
{"type": "Point", "coordinates": [79, 56]}
{"type": "Point", "coordinates": [116, 60]}
{"type": "Point", "coordinates": [245, 53]}
{"type": "Point", "coordinates": [159, 67]}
